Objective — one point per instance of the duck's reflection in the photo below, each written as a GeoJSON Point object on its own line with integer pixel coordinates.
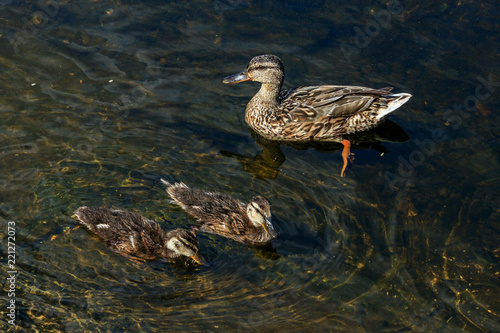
{"type": "Point", "coordinates": [267, 163]}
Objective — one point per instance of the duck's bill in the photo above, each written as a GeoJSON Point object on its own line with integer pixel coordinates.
{"type": "Point", "coordinates": [270, 229]}
{"type": "Point", "coordinates": [200, 260]}
{"type": "Point", "coordinates": [236, 78]}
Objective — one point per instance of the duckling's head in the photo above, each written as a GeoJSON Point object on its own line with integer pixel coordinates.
{"type": "Point", "coordinates": [259, 213]}
{"type": "Point", "coordinates": [267, 69]}
{"type": "Point", "coordinates": [184, 243]}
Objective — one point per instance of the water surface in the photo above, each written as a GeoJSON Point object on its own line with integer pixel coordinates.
{"type": "Point", "coordinates": [101, 99]}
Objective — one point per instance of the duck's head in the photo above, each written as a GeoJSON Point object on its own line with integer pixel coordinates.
{"type": "Point", "coordinates": [184, 243]}
{"type": "Point", "coordinates": [259, 213]}
{"type": "Point", "coordinates": [267, 69]}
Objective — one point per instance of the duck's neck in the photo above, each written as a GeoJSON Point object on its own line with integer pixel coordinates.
{"type": "Point", "coordinates": [268, 94]}
{"type": "Point", "coordinates": [263, 107]}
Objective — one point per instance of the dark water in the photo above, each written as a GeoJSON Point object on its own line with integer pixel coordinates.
{"type": "Point", "coordinates": [100, 99]}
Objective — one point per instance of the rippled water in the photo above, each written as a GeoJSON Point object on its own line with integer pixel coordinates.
{"type": "Point", "coordinates": [101, 99]}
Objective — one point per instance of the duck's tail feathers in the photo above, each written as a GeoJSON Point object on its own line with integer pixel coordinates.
{"type": "Point", "coordinates": [167, 184]}
{"type": "Point", "coordinates": [394, 102]}
{"type": "Point", "coordinates": [174, 185]}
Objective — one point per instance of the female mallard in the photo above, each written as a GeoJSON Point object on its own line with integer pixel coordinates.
{"type": "Point", "coordinates": [223, 215]}
{"type": "Point", "coordinates": [138, 238]}
{"type": "Point", "coordinates": [311, 113]}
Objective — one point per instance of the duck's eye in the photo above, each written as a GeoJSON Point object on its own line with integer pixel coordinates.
{"type": "Point", "coordinates": [174, 244]}
{"type": "Point", "coordinates": [261, 67]}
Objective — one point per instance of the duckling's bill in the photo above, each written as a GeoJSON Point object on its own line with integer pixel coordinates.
{"type": "Point", "coordinates": [237, 78]}
{"type": "Point", "coordinates": [268, 226]}
{"type": "Point", "coordinates": [200, 260]}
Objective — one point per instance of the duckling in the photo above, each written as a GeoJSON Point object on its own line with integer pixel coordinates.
{"type": "Point", "coordinates": [137, 237]}
{"type": "Point", "coordinates": [225, 216]}
{"type": "Point", "coordinates": [311, 113]}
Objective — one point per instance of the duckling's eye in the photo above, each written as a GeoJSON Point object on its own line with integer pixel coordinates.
{"type": "Point", "coordinates": [175, 244]}
{"type": "Point", "coordinates": [257, 209]}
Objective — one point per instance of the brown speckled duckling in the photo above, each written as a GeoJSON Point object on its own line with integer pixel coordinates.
{"type": "Point", "coordinates": [223, 215]}
{"type": "Point", "coordinates": [311, 113]}
{"type": "Point", "coordinates": [137, 237]}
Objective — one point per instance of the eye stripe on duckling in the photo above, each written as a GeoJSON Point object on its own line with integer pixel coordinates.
{"type": "Point", "coordinates": [258, 209]}
{"type": "Point", "coordinates": [185, 242]}
{"type": "Point", "coordinates": [102, 226]}
{"type": "Point", "coordinates": [181, 245]}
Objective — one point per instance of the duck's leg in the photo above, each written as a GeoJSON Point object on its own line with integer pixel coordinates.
{"type": "Point", "coordinates": [346, 155]}
{"type": "Point", "coordinates": [66, 232]}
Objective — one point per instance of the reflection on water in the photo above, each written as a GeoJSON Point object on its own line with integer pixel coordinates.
{"type": "Point", "coordinates": [267, 163]}
{"type": "Point", "coordinates": [102, 99]}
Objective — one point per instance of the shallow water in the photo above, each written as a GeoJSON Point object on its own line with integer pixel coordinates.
{"type": "Point", "coordinates": [101, 99]}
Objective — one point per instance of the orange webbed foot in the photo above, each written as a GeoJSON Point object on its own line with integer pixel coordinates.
{"type": "Point", "coordinates": [346, 155]}
{"type": "Point", "coordinates": [66, 231]}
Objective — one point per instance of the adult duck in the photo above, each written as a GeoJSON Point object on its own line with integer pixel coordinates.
{"type": "Point", "coordinates": [311, 113]}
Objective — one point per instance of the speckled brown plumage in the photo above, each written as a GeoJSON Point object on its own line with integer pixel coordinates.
{"type": "Point", "coordinates": [223, 215]}
{"type": "Point", "coordinates": [137, 237]}
{"type": "Point", "coordinates": [311, 113]}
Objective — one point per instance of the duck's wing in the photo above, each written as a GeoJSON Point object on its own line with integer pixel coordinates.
{"type": "Point", "coordinates": [204, 206]}
{"type": "Point", "coordinates": [328, 112]}
{"type": "Point", "coordinates": [126, 232]}
{"type": "Point", "coordinates": [101, 220]}
{"type": "Point", "coordinates": [311, 103]}
{"type": "Point", "coordinates": [231, 224]}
